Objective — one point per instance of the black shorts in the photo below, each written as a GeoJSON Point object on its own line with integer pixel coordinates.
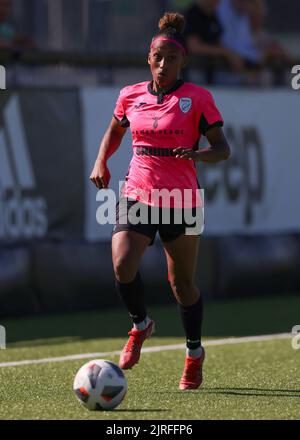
{"type": "Point", "coordinates": [167, 232]}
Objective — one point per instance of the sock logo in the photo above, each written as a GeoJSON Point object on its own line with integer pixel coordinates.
{"type": "Point", "coordinates": [23, 214]}
{"type": "Point", "coordinates": [2, 78]}
{"type": "Point", "coordinates": [2, 338]}
{"type": "Point", "coordinates": [296, 337]}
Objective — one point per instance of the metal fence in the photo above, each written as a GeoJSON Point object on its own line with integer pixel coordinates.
{"type": "Point", "coordinates": [89, 25]}
{"type": "Point", "coordinates": [119, 25]}
{"type": "Point", "coordinates": [104, 33]}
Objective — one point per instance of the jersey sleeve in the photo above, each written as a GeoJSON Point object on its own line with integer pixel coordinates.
{"type": "Point", "coordinates": [120, 109]}
{"type": "Point", "coordinates": [210, 115]}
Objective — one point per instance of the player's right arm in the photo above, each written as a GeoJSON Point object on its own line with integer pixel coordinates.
{"type": "Point", "coordinates": [111, 141]}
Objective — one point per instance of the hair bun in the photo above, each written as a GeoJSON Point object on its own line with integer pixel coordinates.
{"type": "Point", "coordinates": [172, 20]}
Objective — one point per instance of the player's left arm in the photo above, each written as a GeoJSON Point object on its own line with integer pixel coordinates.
{"type": "Point", "coordinates": [217, 151]}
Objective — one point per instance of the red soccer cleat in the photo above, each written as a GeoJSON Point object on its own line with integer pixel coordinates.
{"type": "Point", "coordinates": [132, 350]}
{"type": "Point", "coordinates": [192, 373]}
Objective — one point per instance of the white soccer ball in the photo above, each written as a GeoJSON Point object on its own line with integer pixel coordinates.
{"type": "Point", "coordinates": [100, 385]}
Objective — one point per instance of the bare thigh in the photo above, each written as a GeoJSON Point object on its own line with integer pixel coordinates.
{"type": "Point", "coordinates": [128, 248]}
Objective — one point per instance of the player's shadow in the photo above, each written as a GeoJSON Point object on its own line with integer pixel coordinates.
{"type": "Point", "coordinates": [141, 410]}
{"type": "Point", "coordinates": [239, 391]}
{"type": "Point", "coordinates": [257, 392]}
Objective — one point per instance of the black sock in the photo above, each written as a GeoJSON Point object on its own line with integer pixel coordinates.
{"type": "Point", "coordinates": [191, 317]}
{"type": "Point", "coordinates": [133, 296]}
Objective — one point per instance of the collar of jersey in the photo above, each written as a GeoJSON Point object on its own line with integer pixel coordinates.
{"type": "Point", "coordinates": [176, 86]}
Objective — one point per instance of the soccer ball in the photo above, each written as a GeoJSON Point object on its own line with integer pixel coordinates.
{"type": "Point", "coordinates": [100, 385]}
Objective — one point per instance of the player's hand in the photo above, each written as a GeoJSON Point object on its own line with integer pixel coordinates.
{"type": "Point", "coordinates": [185, 153]}
{"type": "Point", "coordinates": [100, 175]}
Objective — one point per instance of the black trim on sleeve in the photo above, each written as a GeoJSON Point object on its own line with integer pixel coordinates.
{"type": "Point", "coordinates": [204, 125]}
{"type": "Point", "coordinates": [123, 122]}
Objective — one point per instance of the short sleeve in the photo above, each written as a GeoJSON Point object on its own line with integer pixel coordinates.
{"type": "Point", "coordinates": [120, 109]}
{"type": "Point", "coordinates": [210, 116]}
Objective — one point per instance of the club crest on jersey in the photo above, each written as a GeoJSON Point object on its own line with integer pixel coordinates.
{"type": "Point", "coordinates": [185, 104]}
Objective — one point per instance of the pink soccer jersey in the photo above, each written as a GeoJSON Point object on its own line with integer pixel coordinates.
{"type": "Point", "coordinates": [160, 122]}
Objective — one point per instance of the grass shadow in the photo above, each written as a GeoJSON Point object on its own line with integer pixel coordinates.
{"type": "Point", "coordinates": [272, 315]}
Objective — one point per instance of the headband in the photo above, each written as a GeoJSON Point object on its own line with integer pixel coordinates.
{"type": "Point", "coordinates": [171, 40]}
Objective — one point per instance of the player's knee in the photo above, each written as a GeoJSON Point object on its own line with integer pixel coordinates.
{"type": "Point", "coordinates": [125, 270]}
{"type": "Point", "coordinates": [185, 291]}
{"type": "Point", "coordinates": [181, 285]}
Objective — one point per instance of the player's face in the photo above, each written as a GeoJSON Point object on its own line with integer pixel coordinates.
{"type": "Point", "coordinates": [166, 62]}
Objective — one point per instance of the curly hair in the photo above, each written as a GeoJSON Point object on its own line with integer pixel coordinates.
{"type": "Point", "coordinates": [170, 21]}
{"type": "Point", "coordinates": [171, 25]}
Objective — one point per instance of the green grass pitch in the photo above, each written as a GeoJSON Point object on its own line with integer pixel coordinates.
{"type": "Point", "coordinates": [249, 380]}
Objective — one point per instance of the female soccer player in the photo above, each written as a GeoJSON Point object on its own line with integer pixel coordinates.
{"type": "Point", "coordinates": [167, 117]}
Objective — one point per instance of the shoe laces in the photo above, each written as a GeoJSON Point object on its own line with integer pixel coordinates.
{"type": "Point", "coordinates": [133, 342]}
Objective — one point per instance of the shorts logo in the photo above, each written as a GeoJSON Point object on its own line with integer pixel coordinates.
{"type": "Point", "coordinates": [185, 104]}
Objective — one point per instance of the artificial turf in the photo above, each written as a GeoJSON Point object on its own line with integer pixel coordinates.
{"type": "Point", "coordinates": [249, 380]}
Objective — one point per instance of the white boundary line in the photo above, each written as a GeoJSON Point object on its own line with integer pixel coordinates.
{"type": "Point", "coordinates": [154, 349]}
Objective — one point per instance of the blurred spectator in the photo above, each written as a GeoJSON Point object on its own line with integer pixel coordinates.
{"type": "Point", "coordinates": [9, 38]}
{"type": "Point", "coordinates": [203, 35]}
{"type": "Point", "coordinates": [269, 48]}
{"type": "Point", "coordinates": [237, 34]}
